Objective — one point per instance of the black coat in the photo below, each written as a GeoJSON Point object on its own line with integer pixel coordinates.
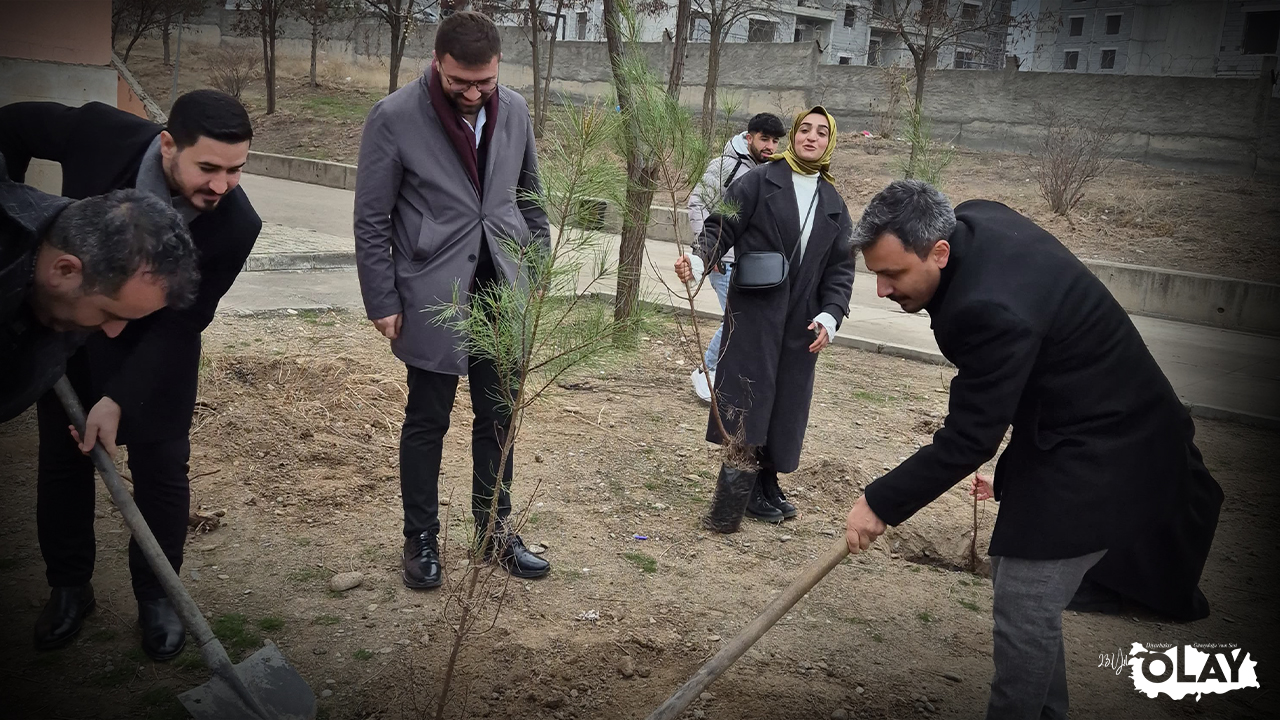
{"type": "Point", "coordinates": [32, 356]}
{"type": "Point", "coordinates": [150, 369]}
{"type": "Point", "coordinates": [1102, 452]}
{"type": "Point", "coordinates": [764, 377]}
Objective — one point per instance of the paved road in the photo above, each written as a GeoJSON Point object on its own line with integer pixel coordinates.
{"type": "Point", "coordinates": [1215, 371]}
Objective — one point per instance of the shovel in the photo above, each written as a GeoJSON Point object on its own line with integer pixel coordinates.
{"type": "Point", "coordinates": [716, 666]}
{"type": "Point", "coordinates": [262, 687]}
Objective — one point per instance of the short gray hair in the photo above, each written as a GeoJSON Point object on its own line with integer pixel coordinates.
{"type": "Point", "coordinates": [912, 210]}
{"type": "Point", "coordinates": [117, 234]}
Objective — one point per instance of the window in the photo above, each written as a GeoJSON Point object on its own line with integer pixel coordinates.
{"type": "Point", "coordinates": [969, 11]}
{"type": "Point", "coordinates": [964, 60]}
{"type": "Point", "coordinates": [850, 18]}
{"type": "Point", "coordinates": [1075, 26]}
{"type": "Point", "coordinates": [761, 30]}
{"type": "Point", "coordinates": [846, 60]}
{"type": "Point", "coordinates": [932, 11]}
{"type": "Point", "coordinates": [1261, 30]}
{"type": "Point", "coordinates": [1108, 60]}
{"type": "Point", "coordinates": [1113, 24]}
{"type": "Point", "coordinates": [582, 26]}
{"type": "Point", "coordinates": [804, 33]}
{"type": "Point", "coordinates": [1071, 60]}
{"type": "Point", "coordinates": [873, 52]}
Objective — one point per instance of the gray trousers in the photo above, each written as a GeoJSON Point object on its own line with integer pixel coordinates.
{"type": "Point", "coordinates": [1031, 669]}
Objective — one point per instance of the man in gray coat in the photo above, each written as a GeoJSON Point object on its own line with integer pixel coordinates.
{"type": "Point", "coordinates": [445, 165]}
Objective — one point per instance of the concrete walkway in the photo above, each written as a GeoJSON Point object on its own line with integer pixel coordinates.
{"type": "Point", "coordinates": [1218, 373]}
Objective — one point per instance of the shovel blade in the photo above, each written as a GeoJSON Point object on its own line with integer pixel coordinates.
{"type": "Point", "coordinates": [273, 682]}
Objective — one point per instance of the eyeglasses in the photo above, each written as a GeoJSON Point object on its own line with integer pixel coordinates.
{"type": "Point", "coordinates": [483, 86]}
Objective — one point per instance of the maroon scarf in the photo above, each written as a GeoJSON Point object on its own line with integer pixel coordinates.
{"type": "Point", "coordinates": [460, 133]}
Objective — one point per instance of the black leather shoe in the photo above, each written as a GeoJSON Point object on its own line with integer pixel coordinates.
{"type": "Point", "coordinates": [163, 635]}
{"type": "Point", "coordinates": [63, 616]}
{"type": "Point", "coordinates": [776, 498]}
{"type": "Point", "coordinates": [421, 562]}
{"type": "Point", "coordinates": [516, 559]}
{"type": "Point", "coordinates": [760, 508]}
{"type": "Point", "coordinates": [1091, 597]}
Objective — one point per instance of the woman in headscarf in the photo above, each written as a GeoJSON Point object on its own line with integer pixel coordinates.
{"type": "Point", "coordinates": [794, 274]}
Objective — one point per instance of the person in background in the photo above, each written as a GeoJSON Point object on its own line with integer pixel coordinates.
{"type": "Point", "coordinates": [741, 154]}
{"type": "Point", "coordinates": [768, 356]}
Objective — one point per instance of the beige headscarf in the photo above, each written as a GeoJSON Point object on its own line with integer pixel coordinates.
{"type": "Point", "coordinates": [822, 166]}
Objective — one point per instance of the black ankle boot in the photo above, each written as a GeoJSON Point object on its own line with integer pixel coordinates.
{"type": "Point", "coordinates": [773, 493]}
{"type": "Point", "coordinates": [759, 507]}
{"type": "Point", "coordinates": [163, 635]}
{"type": "Point", "coordinates": [421, 562]}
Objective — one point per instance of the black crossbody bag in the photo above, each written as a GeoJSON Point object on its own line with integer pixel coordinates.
{"type": "Point", "coordinates": [765, 269]}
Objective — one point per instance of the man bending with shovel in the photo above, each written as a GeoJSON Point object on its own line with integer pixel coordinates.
{"type": "Point", "coordinates": [1101, 479]}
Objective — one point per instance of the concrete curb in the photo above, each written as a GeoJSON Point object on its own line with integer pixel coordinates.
{"type": "Point", "coordinates": [1210, 412]}
{"type": "Point", "coordinates": [299, 261]}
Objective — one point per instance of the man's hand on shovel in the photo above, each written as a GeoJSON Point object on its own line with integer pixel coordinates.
{"type": "Point", "coordinates": [862, 527]}
{"type": "Point", "coordinates": [101, 427]}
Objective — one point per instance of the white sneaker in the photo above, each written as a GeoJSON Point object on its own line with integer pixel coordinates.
{"type": "Point", "coordinates": [701, 386]}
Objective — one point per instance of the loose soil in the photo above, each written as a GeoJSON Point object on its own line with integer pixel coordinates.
{"type": "Point", "coordinates": [295, 444]}
{"type": "Point", "coordinates": [1198, 222]}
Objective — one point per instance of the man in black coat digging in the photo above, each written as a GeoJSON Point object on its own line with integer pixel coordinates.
{"type": "Point", "coordinates": [1101, 478]}
{"type": "Point", "coordinates": [140, 386]}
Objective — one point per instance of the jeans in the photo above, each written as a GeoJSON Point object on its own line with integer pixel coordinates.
{"type": "Point", "coordinates": [720, 283]}
{"type": "Point", "coordinates": [1030, 681]}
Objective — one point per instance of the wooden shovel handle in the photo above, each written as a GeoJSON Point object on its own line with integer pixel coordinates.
{"type": "Point", "coordinates": [772, 612]}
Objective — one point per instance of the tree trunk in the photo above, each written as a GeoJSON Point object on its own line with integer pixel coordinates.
{"type": "Point", "coordinates": [315, 40]}
{"type": "Point", "coordinates": [681, 44]}
{"type": "Point", "coordinates": [540, 118]}
{"type": "Point", "coordinates": [709, 99]}
{"type": "Point", "coordinates": [921, 62]}
{"type": "Point", "coordinates": [269, 67]}
{"type": "Point", "coordinates": [397, 50]}
{"type": "Point", "coordinates": [164, 39]}
{"type": "Point", "coordinates": [535, 33]}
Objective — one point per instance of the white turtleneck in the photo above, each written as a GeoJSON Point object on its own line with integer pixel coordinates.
{"type": "Point", "coordinates": [805, 186]}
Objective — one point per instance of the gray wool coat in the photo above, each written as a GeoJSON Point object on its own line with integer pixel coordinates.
{"type": "Point", "coordinates": [764, 379]}
{"type": "Point", "coordinates": [419, 222]}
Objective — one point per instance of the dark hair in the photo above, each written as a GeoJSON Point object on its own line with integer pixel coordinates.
{"type": "Point", "coordinates": [767, 124]}
{"type": "Point", "coordinates": [118, 234]}
{"type": "Point", "coordinates": [912, 210]}
{"type": "Point", "coordinates": [208, 113]}
{"type": "Point", "coordinates": [469, 37]}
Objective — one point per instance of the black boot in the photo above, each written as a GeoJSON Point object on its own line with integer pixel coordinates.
{"type": "Point", "coordinates": [759, 507]}
{"type": "Point", "coordinates": [733, 492]}
{"type": "Point", "coordinates": [63, 616]}
{"type": "Point", "coordinates": [163, 635]}
{"type": "Point", "coordinates": [773, 493]}
{"type": "Point", "coordinates": [421, 562]}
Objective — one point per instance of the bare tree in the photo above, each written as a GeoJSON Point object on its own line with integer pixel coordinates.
{"type": "Point", "coordinates": [927, 27]}
{"type": "Point", "coordinates": [1072, 151]}
{"type": "Point", "coordinates": [319, 15]}
{"type": "Point", "coordinates": [262, 17]}
{"type": "Point", "coordinates": [642, 165]}
{"type": "Point", "coordinates": [721, 16]}
{"type": "Point", "coordinates": [139, 17]}
{"type": "Point", "coordinates": [401, 17]}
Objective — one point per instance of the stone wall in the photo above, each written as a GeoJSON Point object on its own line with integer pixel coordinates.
{"type": "Point", "coordinates": [1199, 123]}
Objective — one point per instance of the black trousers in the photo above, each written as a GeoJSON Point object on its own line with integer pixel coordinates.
{"type": "Point", "coordinates": [65, 499]}
{"type": "Point", "coordinates": [426, 420]}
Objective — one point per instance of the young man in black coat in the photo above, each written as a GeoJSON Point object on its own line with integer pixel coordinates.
{"type": "Point", "coordinates": [141, 385]}
{"type": "Point", "coordinates": [1101, 474]}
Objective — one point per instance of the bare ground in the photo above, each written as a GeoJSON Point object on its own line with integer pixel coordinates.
{"type": "Point", "coordinates": [1197, 222]}
{"type": "Point", "coordinates": [296, 440]}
